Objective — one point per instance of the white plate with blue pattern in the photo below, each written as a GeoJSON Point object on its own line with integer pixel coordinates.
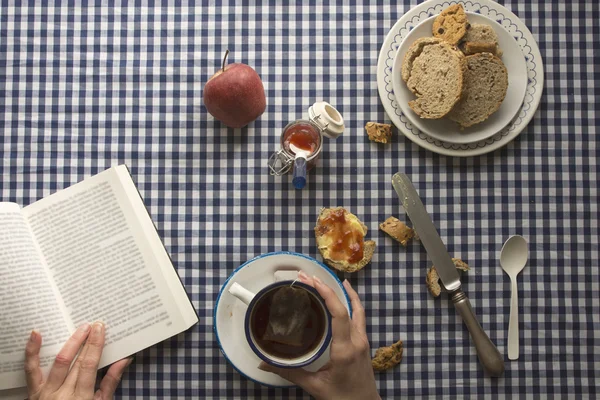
{"type": "Point", "coordinates": [446, 130]}
{"type": "Point", "coordinates": [504, 19]}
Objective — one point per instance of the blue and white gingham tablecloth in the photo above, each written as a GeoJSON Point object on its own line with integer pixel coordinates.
{"type": "Point", "coordinates": [86, 87]}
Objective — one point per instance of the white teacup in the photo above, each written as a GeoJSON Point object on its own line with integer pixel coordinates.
{"type": "Point", "coordinates": [251, 300]}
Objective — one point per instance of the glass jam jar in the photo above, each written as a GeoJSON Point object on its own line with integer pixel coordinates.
{"type": "Point", "coordinates": [306, 136]}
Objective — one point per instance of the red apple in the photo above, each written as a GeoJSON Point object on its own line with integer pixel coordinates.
{"type": "Point", "coordinates": [235, 95]}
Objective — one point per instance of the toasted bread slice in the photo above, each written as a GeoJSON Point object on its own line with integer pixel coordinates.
{"type": "Point", "coordinates": [340, 240]}
{"type": "Point", "coordinates": [413, 52]}
{"type": "Point", "coordinates": [436, 78]}
{"type": "Point", "coordinates": [486, 83]}
{"type": "Point", "coordinates": [451, 24]}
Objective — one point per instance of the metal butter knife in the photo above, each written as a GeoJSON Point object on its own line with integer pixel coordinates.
{"type": "Point", "coordinates": [489, 356]}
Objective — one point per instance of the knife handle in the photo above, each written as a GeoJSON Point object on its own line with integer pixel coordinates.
{"type": "Point", "coordinates": [489, 356]}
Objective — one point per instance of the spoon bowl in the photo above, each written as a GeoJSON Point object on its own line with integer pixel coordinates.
{"type": "Point", "coordinates": [513, 255]}
{"type": "Point", "coordinates": [513, 258]}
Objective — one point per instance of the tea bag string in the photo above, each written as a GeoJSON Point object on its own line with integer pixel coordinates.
{"type": "Point", "coordinates": [292, 284]}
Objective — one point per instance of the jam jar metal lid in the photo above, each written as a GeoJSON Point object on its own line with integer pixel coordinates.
{"type": "Point", "coordinates": [327, 118]}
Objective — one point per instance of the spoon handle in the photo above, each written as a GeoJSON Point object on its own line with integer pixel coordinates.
{"type": "Point", "coordinates": [513, 323]}
{"type": "Point", "coordinates": [299, 175]}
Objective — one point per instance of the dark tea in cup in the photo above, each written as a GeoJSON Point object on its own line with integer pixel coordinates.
{"type": "Point", "coordinates": [288, 322]}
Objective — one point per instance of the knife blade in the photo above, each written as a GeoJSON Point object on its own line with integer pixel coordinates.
{"type": "Point", "coordinates": [422, 223]}
{"type": "Point", "coordinates": [488, 354]}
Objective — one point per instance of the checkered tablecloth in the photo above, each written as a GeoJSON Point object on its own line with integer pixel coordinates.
{"type": "Point", "coordinates": [85, 87]}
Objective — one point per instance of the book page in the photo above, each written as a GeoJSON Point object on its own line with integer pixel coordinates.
{"type": "Point", "coordinates": [146, 227]}
{"type": "Point", "coordinates": [104, 267]}
{"type": "Point", "coordinates": [28, 300]}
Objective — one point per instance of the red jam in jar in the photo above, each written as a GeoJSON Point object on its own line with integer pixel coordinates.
{"type": "Point", "coordinates": [307, 135]}
{"type": "Point", "coordinates": [304, 135]}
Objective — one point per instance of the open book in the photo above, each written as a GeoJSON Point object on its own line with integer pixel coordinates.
{"type": "Point", "coordinates": [87, 253]}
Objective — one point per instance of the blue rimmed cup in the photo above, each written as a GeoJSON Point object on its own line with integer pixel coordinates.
{"type": "Point", "coordinates": [251, 300]}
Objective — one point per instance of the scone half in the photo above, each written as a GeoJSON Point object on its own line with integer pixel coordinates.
{"type": "Point", "coordinates": [340, 240]}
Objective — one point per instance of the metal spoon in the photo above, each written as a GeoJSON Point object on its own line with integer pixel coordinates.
{"type": "Point", "coordinates": [513, 258]}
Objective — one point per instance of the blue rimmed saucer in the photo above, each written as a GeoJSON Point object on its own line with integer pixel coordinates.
{"type": "Point", "coordinates": [229, 312]}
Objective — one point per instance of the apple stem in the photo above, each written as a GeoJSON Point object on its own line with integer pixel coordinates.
{"type": "Point", "coordinates": [225, 58]}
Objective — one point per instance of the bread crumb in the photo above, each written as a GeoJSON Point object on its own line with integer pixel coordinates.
{"type": "Point", "coordinates": [433, 282]}
{"type": "Point", "coordinates": [377, 132]}
{"type": "Point", "coordinates": [388, 357]}
{"type": "Point", "coordinates": [397, 230]}
{"type": "Point", "coordinates": [432, 279]}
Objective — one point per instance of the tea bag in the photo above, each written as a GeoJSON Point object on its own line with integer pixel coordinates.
{"type": "Point", "coordinates": [288, 316]}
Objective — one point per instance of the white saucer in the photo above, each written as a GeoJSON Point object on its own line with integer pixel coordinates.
{"type": "Point", "coordinates": [229, 312]}
{"type": "Point", "coordinates": [511, 24]}
{"type": "Point", "coordinates": [445, 129]}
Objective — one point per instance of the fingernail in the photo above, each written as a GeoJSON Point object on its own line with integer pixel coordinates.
{"type": "Point", "coordinates": [34, 335]}
{"type": "Point", "coordinates": [317, 280]}
{"type": "Point", "coordinates": [263, 366]}
{"type": "Point", "coordinates": [130, 361]}
{"type": "Point", "coordinates": [347, 283]}
{"type": "Point", "coordinates": [302, 275]}
{"type": "Point", "coordinates": [98, 327]}
{"type": "Point", "coordinates": [85, 328]}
